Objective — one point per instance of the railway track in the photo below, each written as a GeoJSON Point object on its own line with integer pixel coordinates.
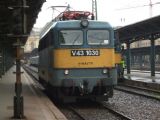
{"type": "Point", "coordinates": [74, 111]}
{"type": "Point", "coordinates": [31, 72]}
{"type": "Point", "coordinates": [140, 88]}
{"type": "Point", "coordinates": [100, 107]}
{"type": "Point", "coordinates": [148, 93]}
{"type": "Point", "coordinates": [120, 115]}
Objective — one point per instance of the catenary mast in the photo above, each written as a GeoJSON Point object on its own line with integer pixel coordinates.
{"type": "Point", "coordinates": [94, 8]}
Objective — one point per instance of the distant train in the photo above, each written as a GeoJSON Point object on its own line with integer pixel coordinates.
{"type": "Point", "coordinates": [77, 59]}
{"type": "Point", "coordinates": [34, 61]}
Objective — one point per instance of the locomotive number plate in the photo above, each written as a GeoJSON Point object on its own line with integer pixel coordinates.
{"type": "Point", "coordinates": [85, 52]}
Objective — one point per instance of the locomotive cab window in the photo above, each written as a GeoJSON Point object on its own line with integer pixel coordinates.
{"type": "Point", "coordinates": [98, 37]}
{"type": "Point", "coordinates": [71, 37]}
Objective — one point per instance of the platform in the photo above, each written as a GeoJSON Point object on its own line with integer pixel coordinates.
{"type": "Point", "coordinates": [143, 79]}
{"type": "Point", "coordinates": [36, 105]}
{"type": "Point", "coordinates": [144, 76]}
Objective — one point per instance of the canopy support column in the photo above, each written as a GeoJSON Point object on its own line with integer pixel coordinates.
{"type": "Point", "coordinates": [152, 58]}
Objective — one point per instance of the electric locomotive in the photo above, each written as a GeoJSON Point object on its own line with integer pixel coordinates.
{"type": "Point", "coordinates": [77, 58]}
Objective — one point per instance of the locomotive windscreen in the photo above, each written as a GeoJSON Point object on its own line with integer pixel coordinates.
{"type": "Point", "coordinates": [71, 37]}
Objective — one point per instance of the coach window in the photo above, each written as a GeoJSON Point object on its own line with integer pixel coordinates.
{"type": "Point", "coordinates": [98, 37]}
{"type": "Point", "coordinates": [71, 37]}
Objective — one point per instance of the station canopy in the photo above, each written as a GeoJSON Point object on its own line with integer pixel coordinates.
{"type": "Point", "coordinates": [140, 30]}
{"type": "Point", "coordinates": [17, 18]}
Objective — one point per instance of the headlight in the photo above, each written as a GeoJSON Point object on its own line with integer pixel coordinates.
{"type": "Point", "coordinates": [66, 72]}
{"type": "Point", "coordinates": [105, 71]}
{"type": "Point", "coordinates": [84, 23]}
